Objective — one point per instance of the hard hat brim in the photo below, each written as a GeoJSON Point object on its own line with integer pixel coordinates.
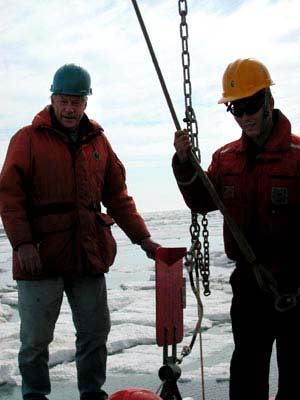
{"type": "Point", "coordinates": [228, 99]}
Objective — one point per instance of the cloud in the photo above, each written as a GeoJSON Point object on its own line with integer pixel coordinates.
{"type": "Point", "coordinates": [37, 37]}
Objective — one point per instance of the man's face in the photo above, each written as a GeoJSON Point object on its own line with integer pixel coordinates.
{"type": "Point", "coordinates": [68, 110]}
{"type": "Point", "coordinates": [251, 123]}
{"type": "Point", "coordinates": [249, 114]}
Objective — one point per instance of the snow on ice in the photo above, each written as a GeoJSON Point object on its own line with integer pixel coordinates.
{"type": "Point", "coordinates": [131, 293]}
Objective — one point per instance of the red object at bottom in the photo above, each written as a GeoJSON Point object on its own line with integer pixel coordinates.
{"type": "Point", "coordinates": [134, 394]}
{"type": "Point", "coordinates": [170, 287]}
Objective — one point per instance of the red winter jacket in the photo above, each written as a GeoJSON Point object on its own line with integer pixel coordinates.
{"type": "Point", "coordinates": [261, 191]}
{"type": "Point", "coordinates": [50, 194]}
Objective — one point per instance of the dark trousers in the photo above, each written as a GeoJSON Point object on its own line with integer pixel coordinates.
{"type": "Point", "coordinates": [256, 325]}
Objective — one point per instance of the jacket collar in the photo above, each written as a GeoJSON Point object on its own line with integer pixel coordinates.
{"type": "Point", "coordinates": [45, 119]}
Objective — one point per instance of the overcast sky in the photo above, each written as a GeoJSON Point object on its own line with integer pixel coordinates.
{"type": "Point", "coordinates": [38, 36]}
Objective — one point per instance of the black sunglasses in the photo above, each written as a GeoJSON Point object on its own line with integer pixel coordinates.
{"type": "Point", "coordinates": [249, 105]}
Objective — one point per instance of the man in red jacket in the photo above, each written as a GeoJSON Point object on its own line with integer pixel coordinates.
{"type": "Point", "coordinates": [258, 180]}
{"type": "Point", "coordinates": [57, 173]}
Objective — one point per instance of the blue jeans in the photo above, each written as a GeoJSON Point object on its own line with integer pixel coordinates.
{"type": "Point", "coordinates": [39, 307]}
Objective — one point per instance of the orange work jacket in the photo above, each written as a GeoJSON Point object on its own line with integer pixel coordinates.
{"type": "Point", "coordinates": [51, 193]}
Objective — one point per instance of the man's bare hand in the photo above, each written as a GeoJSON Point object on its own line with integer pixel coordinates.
{"type": "Point", "coordinates": [149, 247]}
{"type": "Point", "coordinates": [182, 144]}
{"type": "Point", "coordinates": [29, 258]}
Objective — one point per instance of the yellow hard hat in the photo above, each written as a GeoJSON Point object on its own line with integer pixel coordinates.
{"type": "Point", "coordinates": [243, 78]}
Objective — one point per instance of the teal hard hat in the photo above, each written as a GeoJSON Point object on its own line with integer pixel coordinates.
{"type": "Point", "coordinates": [72, 80]}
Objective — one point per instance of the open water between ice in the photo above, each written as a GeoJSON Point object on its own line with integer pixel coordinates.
{"type": "Point", "coordinates": [134, 358]}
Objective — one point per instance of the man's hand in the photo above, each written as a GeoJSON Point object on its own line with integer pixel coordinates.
{"type": "Point", "coordinates": [182, 144]}
{"type": "Point", "coordinates": [149, 247]}
{"type": "Point", "coordinates": [29, 258]}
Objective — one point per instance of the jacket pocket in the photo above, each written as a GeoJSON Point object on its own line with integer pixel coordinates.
{"type": "Point", "coordinates": [55, 237]}
{"type": "Point", "coordinates": [106, 241]}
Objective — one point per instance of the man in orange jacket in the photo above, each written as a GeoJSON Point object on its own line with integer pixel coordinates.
{"type": "Point", "coordinates": [258, 180]}
{"type": "Point", "coordinates": [58, 172]}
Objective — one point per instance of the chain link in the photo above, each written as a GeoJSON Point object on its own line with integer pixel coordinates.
{"type": "Point", "coordinates": [199, 259]}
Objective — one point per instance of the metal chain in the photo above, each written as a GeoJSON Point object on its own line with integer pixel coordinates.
{"type": "Point", "coordinates": [190, 117]}
{"type": "Point", "coordinates": [201, 261]}
{"type": "Point", "coordinates": [204, 271]}
{"type": "Point", "coordinates": [197, 260]}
